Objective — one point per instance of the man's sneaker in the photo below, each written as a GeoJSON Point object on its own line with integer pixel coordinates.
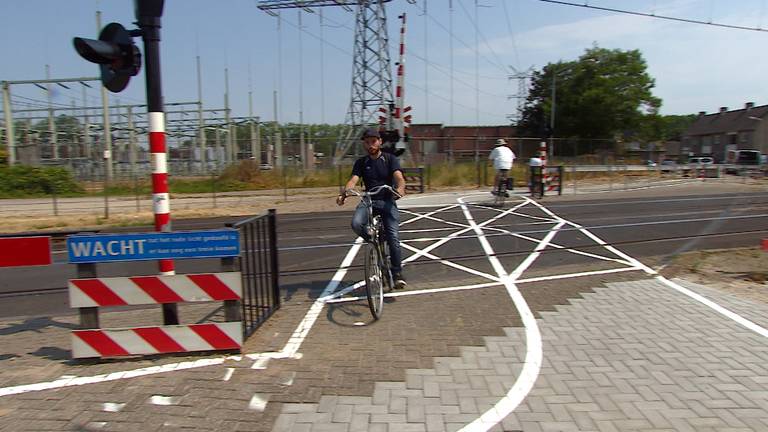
{"type": "Point", "coordinates": [506, 194]}
{"type": "Point", "coordinates": [493, 192]}
{"type": "Point", "coordinates": [399, 281]}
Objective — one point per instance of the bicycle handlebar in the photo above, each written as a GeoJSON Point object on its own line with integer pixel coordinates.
{"type": "Point", "coordinates": [373, 191]}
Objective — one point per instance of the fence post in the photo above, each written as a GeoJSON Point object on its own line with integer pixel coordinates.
{"type": "Point", "coordinates": [421, 179]}
{"type": "Point", "coordinates": [285, 184]}
{"type": "Point", "coordinates": [626, 179]}
{"type": "Point", "coordinates": [213, 187]}
{"type": "Point", "coordinates": [136, 192]}
{"type": "Point", "coordinates": [560, 174]}
{"type": "Point", "coordinates": [573, 177]}
{"type": "Point", "coordinates": [273, 252]}
{"type": "Point", "coordinates": [231, 307]}
{"type": "Point", "coordinates": [55, 202]}
{"type": "Point", "coordinates": [610, 177]}
{"type": "Point", "coordinates": [89, 316]}
{"type": "Point", "coordinates": [106, 198]}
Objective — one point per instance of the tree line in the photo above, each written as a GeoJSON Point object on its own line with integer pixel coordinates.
{"type": "Point", "coordinates": [604, 94]}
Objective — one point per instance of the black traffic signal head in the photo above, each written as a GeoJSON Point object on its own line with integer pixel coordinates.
{"type": "Point", "coordinates": [115, 52]}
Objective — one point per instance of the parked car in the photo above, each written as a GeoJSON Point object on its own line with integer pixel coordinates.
{"type": "Point", "coordinates": [650, 163]}
{"type": "Point", "coordinates": [701, 160]}
{"type": "Point", "coordinates": [668, 165]}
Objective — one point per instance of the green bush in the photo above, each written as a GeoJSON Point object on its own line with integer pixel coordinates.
{"type": "Point", "coordinates": [19, 181]}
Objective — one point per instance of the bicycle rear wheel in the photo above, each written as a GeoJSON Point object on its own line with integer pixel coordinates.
{"type": "Point", "coordinates": [501, 193]}
{"type": "Point", "coordinates": [374, 281]}
{"type": "Point", "coordinates": [385, 270]}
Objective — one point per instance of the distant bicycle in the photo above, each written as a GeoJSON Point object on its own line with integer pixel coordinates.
{"type": "Point", "coordinates": [500, 193]}
{"type": "Point", "coordinates": [536, 182]}
{"type": "Point", "coordinates": [378, 275]}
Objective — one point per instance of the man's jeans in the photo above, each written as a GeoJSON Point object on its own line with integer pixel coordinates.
{"type": "Point", "coordinates": [391, 218]}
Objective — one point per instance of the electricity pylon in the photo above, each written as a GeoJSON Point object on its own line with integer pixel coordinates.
{"type": "Point", "coordinates": [371, 72]}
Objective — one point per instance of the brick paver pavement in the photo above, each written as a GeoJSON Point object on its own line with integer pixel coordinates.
{"type": "Point", "coordinates": [633, 355]}
{"type": "Point", "coordinates": [630, 356]}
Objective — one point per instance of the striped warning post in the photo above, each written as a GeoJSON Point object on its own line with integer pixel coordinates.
{"type": "Point", "coordinates": [552, 178]}
{"type": "Point", "coordinates": [157, 340]}
{"type": "Point", "coordinates": [161, 204]}
{"type": "Point", "coordinates": [138, 290]}
{"type": "Point", "coordinates": [544, 173]}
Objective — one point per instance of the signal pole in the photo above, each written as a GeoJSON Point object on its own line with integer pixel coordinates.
{"type": "Point", "coordinates": [148, 14]}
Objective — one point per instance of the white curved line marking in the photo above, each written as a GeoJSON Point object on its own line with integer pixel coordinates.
{"type": "Point", "coordinates": [534, 349]}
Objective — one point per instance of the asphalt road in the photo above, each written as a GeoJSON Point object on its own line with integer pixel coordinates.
{"type": "Point", "coordinates": [312, 246]}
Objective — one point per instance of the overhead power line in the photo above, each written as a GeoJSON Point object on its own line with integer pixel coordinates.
{"type": "Point", "coordinates": [653, 15]}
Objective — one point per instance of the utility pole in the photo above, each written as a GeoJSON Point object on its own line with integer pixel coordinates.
{"type": "Point", "coordinates": [201, 122]}
{"type": "Point", "coordinates": [10, 137]}
{"type": "Point", "coordinates": [131, 141]}
{"type": "Point", "coordinates": [74, 143]}
{"type": "Point", "coordinates": [105, 115]}
{"type": "Point", "coordinates": [86, 128]}
{"type": "Point", "coordinates": [52, 138]}
{"type": "Point", "coordinates": [230, 153]}
{"type": "Point", "coordinates": [218, 154]}
{"type": "Point", "coordinates": [552, 117]}
{"type": "Point", "coordinates": [278, 136]}
{"type": "Point", "coordinates": [303, 151]}
{"type": "Point", "coordinates": [255, 142]}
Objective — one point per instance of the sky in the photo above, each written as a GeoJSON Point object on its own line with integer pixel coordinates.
{"type": "Point", "coordinates": [695, 67]}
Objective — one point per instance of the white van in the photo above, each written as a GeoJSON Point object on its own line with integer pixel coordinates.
{"type": "Point", "coordinates": [703, 160]}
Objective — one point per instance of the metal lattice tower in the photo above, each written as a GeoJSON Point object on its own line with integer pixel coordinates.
{"type": "Point", "coordinates": [371, 72]}
{"type": "Point", "coordinates": [522, 78]}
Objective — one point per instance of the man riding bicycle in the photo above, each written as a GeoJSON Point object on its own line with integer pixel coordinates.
{"type": "Point", "coordinates": [379, 168]}
{"type": "Point", "coordinates": [502, 157]}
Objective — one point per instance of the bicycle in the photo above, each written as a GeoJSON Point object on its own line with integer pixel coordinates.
{"type": "Point", "coordinates": [500, 194]}
{"type": "Point", "coordinates": [377, 269]}
{"type": "Point", "coordinates": [536, 182]}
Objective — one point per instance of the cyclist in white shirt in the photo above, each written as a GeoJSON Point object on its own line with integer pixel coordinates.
{"type": "Point", "coordinates": [502, 157]}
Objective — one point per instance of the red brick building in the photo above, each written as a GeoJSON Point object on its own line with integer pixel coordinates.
{"type": "Point", "coordinates": [433, 143]}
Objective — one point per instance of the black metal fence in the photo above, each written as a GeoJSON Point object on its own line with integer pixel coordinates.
{"type": "Point", "coordinates": [259, 267]}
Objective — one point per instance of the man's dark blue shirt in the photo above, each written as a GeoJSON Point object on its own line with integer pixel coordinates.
{"type": "Point", "coordinates": [377, 172]}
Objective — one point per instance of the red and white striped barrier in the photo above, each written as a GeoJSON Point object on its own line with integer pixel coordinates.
{"type": "Point", "coordinates": [156, 340]}
{"type": "Point", "coordinates": [25, 251]}
{"type": "Point", "coordinates": [552, 179]}
{"type": "Point", "coordinates": [138, 290]}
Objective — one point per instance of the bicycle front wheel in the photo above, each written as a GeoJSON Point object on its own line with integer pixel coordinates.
{"type": "Point", "coordinates": [374, 281]}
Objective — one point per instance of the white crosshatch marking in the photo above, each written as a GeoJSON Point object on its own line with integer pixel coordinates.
{"type": "Point", "coordinates": [510, 280]}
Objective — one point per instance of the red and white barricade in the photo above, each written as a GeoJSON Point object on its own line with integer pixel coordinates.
{"type": "Point", "coordinates": [142, 290]}
{"type": "Point", "coordinates": [25, 251]}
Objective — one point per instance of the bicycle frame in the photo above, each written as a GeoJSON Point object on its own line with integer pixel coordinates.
{"type": "Point", "coordinates": [377, 270]}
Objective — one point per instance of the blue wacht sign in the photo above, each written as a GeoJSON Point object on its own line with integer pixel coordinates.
{"type": "Point", "coordinates": [153, 246]}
